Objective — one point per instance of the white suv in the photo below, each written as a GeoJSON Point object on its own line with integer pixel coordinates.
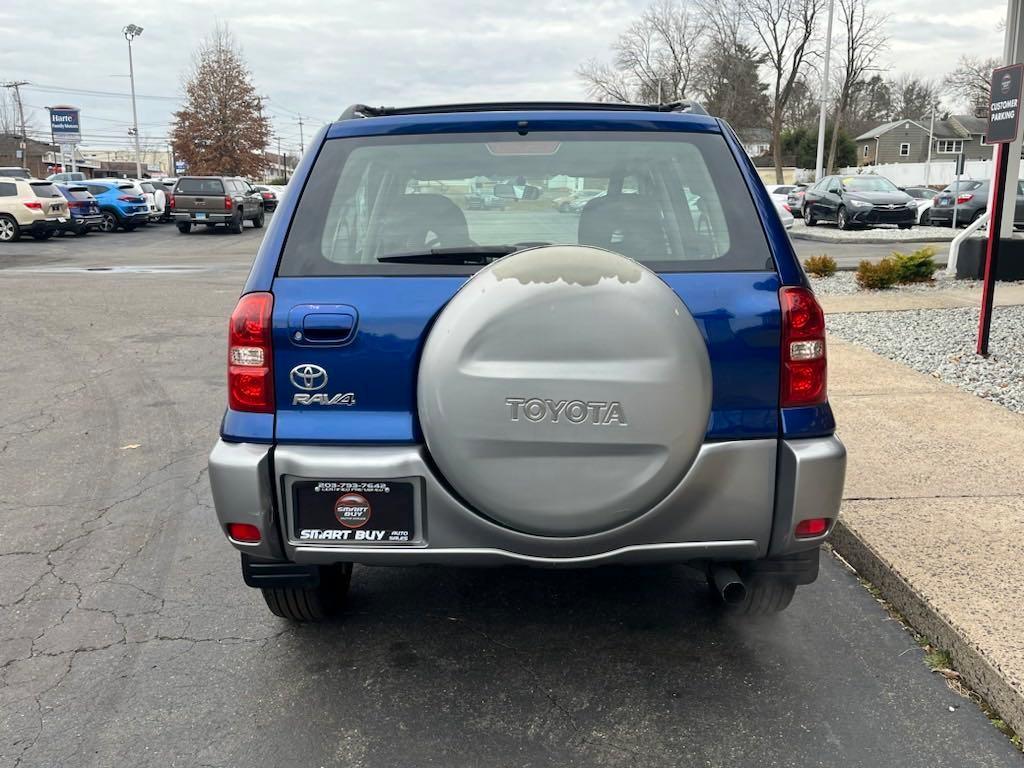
{"type": "Point", "coordinates": [30, 205]}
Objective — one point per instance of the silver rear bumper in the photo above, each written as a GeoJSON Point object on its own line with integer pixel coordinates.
{"type": "Point", "coordinates": [740, 501]}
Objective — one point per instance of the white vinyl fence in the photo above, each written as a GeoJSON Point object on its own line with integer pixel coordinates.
{"type": "Point", "coordinates": [942, 172]}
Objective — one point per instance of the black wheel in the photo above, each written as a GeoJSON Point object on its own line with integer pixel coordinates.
{"type": "Point", "coordinates": [842, 220]}
{"type": "Point", "coordinates": [109, 223]}
{"type": "Point", "coordinates": [42, 235]}
{"type": "Point", "coordinates": [765, 596]}
{"type": "Point", "coordinates": [905, 226]}
{"type": "Point", "coordinates": [317, 604]}
{"type": "Point", "coordinates": [83, 231]}
{"type": "Point", "coordinates": [926, 219]}
{"type": "Point", "coordinates": [9, 229]}
{"type": "Point", "coordinates": [257, 223]}
{"type": "Point", "coordinates": [184, 227]}
{"type": "Point", "coordinates": [563, 208]}
{"type": "Point", "coordinates": [977, 215]}
{"type": "Point", "coordinates": [809, 220]}
{"type": "Point", "coordinates": [237, 223]}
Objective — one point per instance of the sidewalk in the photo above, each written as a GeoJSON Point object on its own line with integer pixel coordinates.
{"type": "Point", "coordinates": [1007, 294]}
{"type": "Point", "coordinates": [933, 510]}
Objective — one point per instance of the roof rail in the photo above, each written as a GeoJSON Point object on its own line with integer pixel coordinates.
{"type": "Point", "coordinates": [362, 110]}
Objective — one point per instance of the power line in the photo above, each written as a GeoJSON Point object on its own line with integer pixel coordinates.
{"type": "Point", "coordinates": [90, 92]}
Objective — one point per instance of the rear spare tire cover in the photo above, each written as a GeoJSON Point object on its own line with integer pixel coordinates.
{"type": "Point", "coordinates": [564, 390]}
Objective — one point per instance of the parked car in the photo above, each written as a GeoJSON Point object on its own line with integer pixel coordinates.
{"type": "Point", "coordinates": [795, 200]}
{"type": "Point", "coordinates": [269, 197]}
{"type": "Point", "coordinates": [149, 194]}
{"type": "Point", "coordinates": [33, 207]}
{"type": "Point", "coordinates": [780, 192]}
{"type": "Point", "coordinates": [859, 201]}
{"type": "Point", "coordinates": [484, 201]}
{"type": "Point", "coordinates": [785, 214]}
{"type": "Point", "coordinates": [404, 389]}
{"type": "Point", "coordinates": [924, 197]}
{"type": "Point", "coordinates": [66, 176]}
{"type": "Point", "coordinates": [15, 172]}
{"type": "Point", "coordinates": [83, 208]}
{"type": "Point", "coordinates": [121, 207]}
{"type": "Point", "coordinates": [971, 201]}
{"type": "Point", "coordinates": [213, 200]}
{"type": "Point", "coordinates": [162, 196]}
{"type": "Point", "coordinates": [579, 199]}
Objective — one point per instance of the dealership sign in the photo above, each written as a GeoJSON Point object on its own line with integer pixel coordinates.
{"type": "Point", "coordinates": [65, 126]}
{"type": "Point", "coordinates": [1004, 104]}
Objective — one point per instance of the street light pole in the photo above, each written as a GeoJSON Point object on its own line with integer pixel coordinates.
{"type": "Point", "coordinates": [820, 155]}
{"type": "Point", "coordinates": [130, 33]}
{"type": "Point", "coordinates": [931, 140]}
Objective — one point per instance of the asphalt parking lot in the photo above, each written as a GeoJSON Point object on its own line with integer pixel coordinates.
{"type": "Point", "coordinates": [128, 638]}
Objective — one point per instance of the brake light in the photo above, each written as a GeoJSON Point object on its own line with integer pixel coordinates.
{"type": "Point", "coordinates": [250, 367]}
{"type": "Point", "coordinates": [127, 199]}
{"type": "Point", "coordinates": [34, 206]}
{"type": "Point", "coordinates": [171, 202]}
{"type": "Point", "coordinates": [267, 195]}
{"type": "Point", "coordinates": [963, 198]}
{"type": "Point", "coordinates": [228, 203]}
{"type": "Point", "coordinates": [806, 529]}
{"type": "Point", "coordinates": [245, 532]}
{"type": "Point", "coordinates": [787, 208]}
{"type": "Point", "coordinates": [804, 379]}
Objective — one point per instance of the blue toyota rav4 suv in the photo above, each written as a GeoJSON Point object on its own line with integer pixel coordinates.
{"type": "Point", "coordinates": [411, 380]}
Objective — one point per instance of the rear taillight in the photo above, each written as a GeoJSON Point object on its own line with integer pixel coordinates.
{"type": "Point", "coordinates": [807, 529]}
{"type": "Point", "coordinates": [171, 202]}
{"type": "Point", "coordinates": [34, 206]}
{"type": "Point", "coordinates": [804, 372]}
{"type": "Point", "coordinates": [267, 195]}
{"type": "Point", "coordinates": [244, 532]}
{"type": "Point", "coordinates": [787, 208]}
{"type": "Point", "coordinates": [228, 203]}
{"type": "Point", "coordinates": [961, 199]}
{"type": "Point", "coordinates": [935, 200]}
{"type": "Point", "coordinates": [250, 368]}
{"type": "Point", "coordinates": [127, 199]}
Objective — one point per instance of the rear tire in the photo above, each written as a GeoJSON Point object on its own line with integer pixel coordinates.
{"type": "Point", "coordinates": [257, 223]}
{"type": "Point", "coordinates": [237, 223]}
{"type": "Point", "coordinates": [765, 596]}
{"type": "Point", "coordinates": [10, 232]}
{"type": "Point", "coordinates": [184, 227]}
{"type": "Point", "coordinates": [809, 220]}
{"type": "Point", "coordinates": [42, 235]}
{"type": "Point", "coordinates": [926, 219]}
{"type": "Point", "coordinates": [312, 604]}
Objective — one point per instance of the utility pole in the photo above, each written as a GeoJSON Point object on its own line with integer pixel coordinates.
{"type": "Point", "coordinates": [820, 154]}
{"type": "Point", "coordinates": [931, 140]}
{"type": "Point", "coordinates": [15, 85]}
{"type": "Point", "coordinates": [280, 159]}
{"type": "Point", "coordinates": [302, 141]}
{"type": "Point", "coordinates": [130, 33]}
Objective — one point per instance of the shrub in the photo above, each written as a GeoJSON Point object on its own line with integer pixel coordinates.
{"type": "Point", "coordinates": [821, 266]}
{"type": "Point", "coordinates": [916, 267]}
{"type": "Point", "coordinates": [878, 276]}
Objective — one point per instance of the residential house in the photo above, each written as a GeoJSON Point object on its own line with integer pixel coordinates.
{"type": "Point", "coordinates": [906, 141]}
{"type": "Point", "coordinates": [756, 141]}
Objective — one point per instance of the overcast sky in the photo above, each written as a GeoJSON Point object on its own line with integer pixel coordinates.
{"type": "Point", "coordinates": [314, 57]}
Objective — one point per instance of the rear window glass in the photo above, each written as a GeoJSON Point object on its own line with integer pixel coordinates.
{"type": "Point", "coordinates": [46, 190]}
{"type": "Point", "coordinates": [200, 187]}
{"type": "Point", "coordinates": [674, 202]}
{"type": "Point", "coordinates": [15, 172]}
{"type": "Point", "coordinates": [147, 187]}
{"type": "Point", "coordinates": [79, 193]}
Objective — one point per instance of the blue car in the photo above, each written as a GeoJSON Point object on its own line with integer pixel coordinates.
{"type": "Point", "coordinates": [120, 207]}
{"type": "Point", "coordinates": [413, 379]}
{"type": "Point", "coordinates": [83, 208]}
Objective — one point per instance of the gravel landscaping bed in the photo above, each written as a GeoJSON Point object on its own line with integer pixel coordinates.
{"type": "Point", "coordinates": [941, 342]}
{"type": "Point", "coordinates": [829, 233]}
{"type": "Point", "coordinates": [845, 284]}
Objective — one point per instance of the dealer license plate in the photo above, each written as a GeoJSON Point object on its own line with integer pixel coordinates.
{"type": "Point", "coordinates": [200, 215]}
{"type": "Point", "coordinates": [354, 512]}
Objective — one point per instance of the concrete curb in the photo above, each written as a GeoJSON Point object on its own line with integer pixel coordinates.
{"type": "Point", "coordinates": [977, 670]}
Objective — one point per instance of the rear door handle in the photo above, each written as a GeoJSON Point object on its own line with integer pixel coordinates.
{"type": "Point", "coordinates": [317, 325]}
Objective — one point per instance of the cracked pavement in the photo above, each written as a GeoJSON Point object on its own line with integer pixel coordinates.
{"type": "Point", "coordinates": [127, 636]}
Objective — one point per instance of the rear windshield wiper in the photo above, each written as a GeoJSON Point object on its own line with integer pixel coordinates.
{"type": "Point", "coordinates": [469, 254]}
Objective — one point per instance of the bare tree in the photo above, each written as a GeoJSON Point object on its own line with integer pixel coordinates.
{"type": "Point", "coordinates": [912, 97]}
{"type": "Point", "coordinates": [655, 59]}
{"type": "Point", "coordinates": [785, 31]}
{"type": "Point", "coordinates": [970, 80]}
{"type": "Point", "coordinates": [221, 129]}
{"type": "Point", "coordinates": [864, 40]}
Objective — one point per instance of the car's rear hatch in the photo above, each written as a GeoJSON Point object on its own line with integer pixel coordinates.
{"type": "Point", "coordinates": [348, 330]}
{"type": "Point", "coordinates": [200, 195]}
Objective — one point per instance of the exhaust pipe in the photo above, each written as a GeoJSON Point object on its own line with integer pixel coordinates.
{"type": "Point", "coordinates": [729, 585]}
